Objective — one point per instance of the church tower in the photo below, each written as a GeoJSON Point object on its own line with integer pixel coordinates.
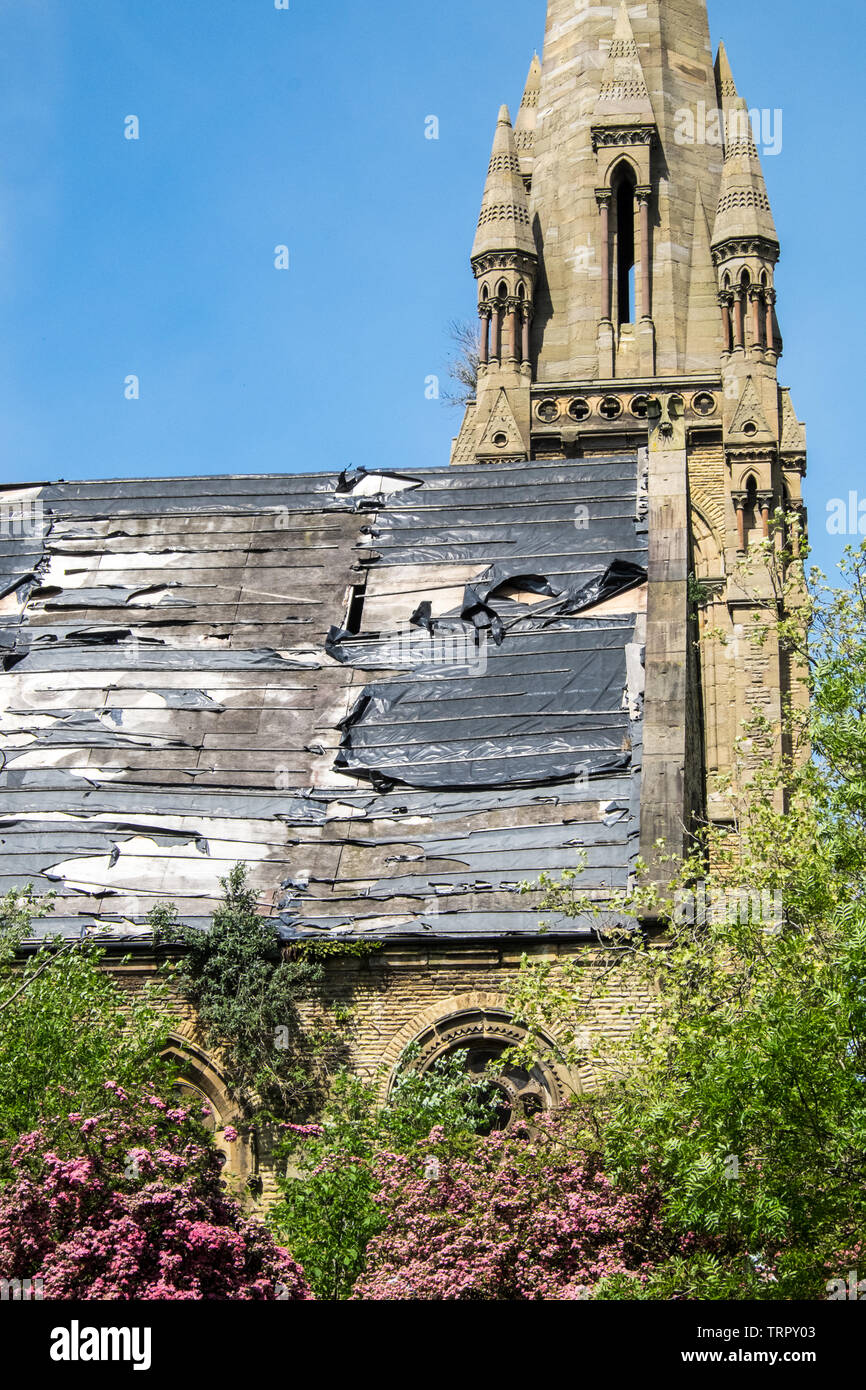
{"type": "Point", "coordinates": [625, 259]}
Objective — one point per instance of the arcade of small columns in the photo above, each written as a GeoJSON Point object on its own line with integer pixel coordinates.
{"type": "Point", "coordinates": [762, 503]}
{"type": "Point", "coordinates": [747, 313]}
{"type": "Point", "coordinates": [505, 323]}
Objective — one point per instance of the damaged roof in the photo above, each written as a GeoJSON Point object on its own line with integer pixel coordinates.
{"type": "Point", "coordinates": [396, 696]}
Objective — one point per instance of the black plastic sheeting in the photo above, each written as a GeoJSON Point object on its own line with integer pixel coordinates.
{"type": "Point", "coordinates": [479, 600]}
{"type": "Point", "coordinates": [546, 707]}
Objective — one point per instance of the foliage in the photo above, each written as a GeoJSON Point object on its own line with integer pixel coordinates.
{"type": "Point", "coordinates": [463, 366]}
{"type": "Point", "coordinates": [743, 1087]}
{"type": "Point", "coordinates": [19, 908]}
{"type": "Point", "coordinates": [128, 1203]}
{"type": "Point", "coordinates": [66, 1025]}
{"type": "Point", "coordinates": [245, 990]}
{"type": "Point", "coordinates": [525, 1216]}
{"type": "Point", "coordinates": [328, 1213]}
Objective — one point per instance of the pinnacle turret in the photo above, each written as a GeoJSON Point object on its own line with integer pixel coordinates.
{"type": "Point", "coordinates": [527, 116]}
{"type": "Point", "coordinates": [744, 207]}
{"type": "Point", "coordinates": [503, 224]}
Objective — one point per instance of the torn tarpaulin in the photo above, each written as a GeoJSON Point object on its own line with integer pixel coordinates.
{"type": "Point", "coordinates": [437, 644]}
{"type": "Point", "coordinates": [369, 489]}
{"type": "Point", "coordinates": [334, 639]}
{"type": "Point", "coordinates": [478, 609]}
{"type": "Point", "coordinates": [108, 596]}
{"type": "Point", "coordinates": [546, 707]}
{"type": "Point", "coordinates": [618, 578]}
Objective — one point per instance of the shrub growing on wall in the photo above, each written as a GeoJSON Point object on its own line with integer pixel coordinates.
{"type": "Point", "coordinates": [245, 989]}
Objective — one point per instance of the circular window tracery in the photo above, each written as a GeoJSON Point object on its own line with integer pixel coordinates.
{"type": "Point", "coordinates": [579, 409]}
{"type": "Point", "coordinates": [547, 411]}
{"type": "Point", "coordinates": [483, 1036]}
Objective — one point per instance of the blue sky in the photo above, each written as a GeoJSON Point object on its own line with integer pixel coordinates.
{"type": "Point", "coordinates": [305, 127]}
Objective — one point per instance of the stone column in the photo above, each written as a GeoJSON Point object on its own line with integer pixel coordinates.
{"type": "Point", "coordinates": [739, 319]}
{"type": "Point", "coordinates": [513, 331]}
{"type": "Point", "coordinates": [739, 500]}
{"type": "Point", "coordinates": [769, 302]}
{"type": "Point", "coordinates": [755, 295]}
{"type": "Point", "coordinates": [642, 199]}
{"type": "Point", "coordinates": [671, 742]}
{"type": "Point", "coordinates": [496, 344]}
{"type": "Point", "coordinates": [603, 197]}
{"type": "Point", "coordinates": [484, 349]}
{"type": "Point", "coordinates": [527, 320]}
{"type": "Point", "coordinates": [765, 502]}
{"type": "Point", "coordinates": [794, 505]}
{"type": "Point", "coordinates": [725, 304]}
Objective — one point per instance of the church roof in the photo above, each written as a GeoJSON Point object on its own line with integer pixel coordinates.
{"type": "Point", "coordinates": [182, 692]}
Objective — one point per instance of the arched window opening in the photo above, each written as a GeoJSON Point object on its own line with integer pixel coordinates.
{"type": "Point", "coordinates": [625, 254]}
{"type": "Point", "coordinates": [521, 292]}
{"type": "Point", "coordinates": [502, 292]}
{"type": "Point", "coordinates": [745, 279]}
{"type": "Point", "coordinates": [750, 511]}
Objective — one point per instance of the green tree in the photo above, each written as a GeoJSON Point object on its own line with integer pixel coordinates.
{"type": "Point", "coordinates": [743, 1088]}
{"type": "Point", "coordinates": [66, 1026]}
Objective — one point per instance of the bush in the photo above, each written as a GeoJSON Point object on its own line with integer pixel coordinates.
{"type": "Point", "coordinates": [128, 1203]}
{"type": "Point", "coordinates": [328, 1213]}
{"type": "Point", "coordinates": [525, 1216]}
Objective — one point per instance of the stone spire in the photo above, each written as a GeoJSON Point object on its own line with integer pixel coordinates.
{"type": "Point", "coordinates": [743, 207]}
{"type": "Point", "coordinates": [524, 126]}
{"type": "Point", "coordinates": [503, 224]}
{"type": "Point", "coordinates": [624, 98]}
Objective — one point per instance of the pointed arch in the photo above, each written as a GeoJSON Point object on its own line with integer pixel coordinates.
{"type": "Point", "coordinates": [709, 553]}
{"type": "Point", "coordinates": [623, 184]}
{"type": "Point", "coordinates": [751, 516]}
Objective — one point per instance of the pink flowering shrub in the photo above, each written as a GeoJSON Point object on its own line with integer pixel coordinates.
{"type": "Point", "coordinates": [525, 1216]}
{"type": "Point", "coordinates": [130, 1204]}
